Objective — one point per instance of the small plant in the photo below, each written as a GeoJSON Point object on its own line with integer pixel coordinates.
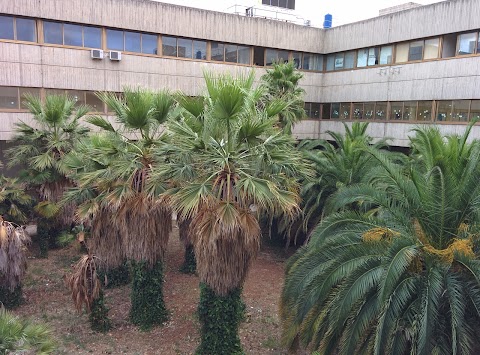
{"type": "Point", "coordinates": [13, 262]}
{"type": "Point", "coordinates": [18, 336]}
{"type": "Point", "coordinates": [87, 291]}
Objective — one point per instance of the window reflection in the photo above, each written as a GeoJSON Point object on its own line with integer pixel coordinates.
{"type": "Point", "coordinates": [26, 30]}
{"type": "Point", "coordinates": [6, 27]}
{"type": "Point", "coordinates": [52, 32]}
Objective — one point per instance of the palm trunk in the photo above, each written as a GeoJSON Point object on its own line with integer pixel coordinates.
{"type": "Point", "coordinates": [189, 264]}
{"type": "Point", "coordinates": [98, 316]}
{"type": "Point", "coordinates": [11, 298]}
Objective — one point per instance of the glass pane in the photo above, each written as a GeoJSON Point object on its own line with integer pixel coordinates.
{"type": "Point", "coordinates": [6, 27]}
{"type": "Point", "coordinates": [386, 55]}
{"type": "Point", "coordinates": [373, 54]}
{"type": "Point", "coordinates": [416, 51]}
{"type": "Point", "coordinates": [331, 62]}
{"type": "Point", "coordinates": [318, 62]}
{"type": "Point", "coordinates": [431, 48]}
{"type": "Point", "coordinates": [25, 91]}
{"type": "Point", "coordinates": [200, 49]}
{"type": "Point", "coordinates": [92, 37]}
{"type": "Point", "coordinates": [307, 61]}
{"type": "Point", "coordinates": [297, 60]}
{"type": "Point", "coordinates": [282, 3]}
{"type": "Point", "coordinates": [381, 111]}
{"type": "Point", "coordinates": [25, 30]}
{"type": "Point", "coordinates": [94, 102]}
{"type": "Point", "coordinates": [410, 110]}
{"type": "Point", "coordinates": [349, 60]}
{"type": "Point", "coordinates": [272, 56]}
{"type": "Point", "coordinates": [362, 58]}
{"type": "Point", "coordinates": [369, 110]}
{"type": "Point", "coordinates": [335, 113]}
{"type": "Point", "coordinates": [243, 55]}
{"type": "Point", "coordinates": [357, 112]}
{"type": "Point", "coordinates": [338, 61]}
{"type": "Point", "coordinates": [326, 110]}
{"type": "Point", "coordinates": [72, 35]}
{"type": "Point", "coordinates": [184, 48]}
{"type": "Point", "coordinates": [52, 32]}
{"type": "Point", "coordinates": [231, 53]}
{"type": "Point", "coordinates": [396, 110]}
{"type": "Point", "coordinates": [149, 44]}
{"type": "Point", "coordinates": [315, 110]}
{"type": "Point", "coordinates": [460, 110]}
{"type": "Point", "coordinates": [132, 42]}
{"type": "Point", "coordinates": [283, 56]}
{"type": "Point", "coordinates": [169, 46]}
{"type": "Point", "coordinates": [77, 96]}
{"type": "Point", "coordinates": [401, 55]}
{"type": "Point", "coordinates": [424, 112]}
{"type": "Point", "coordinates": [8, 97]}
{"type": "Point", "coordinates": [475, 109]}
{"type": "Point", "coordinates": [345, 111]}
{"type": "Point", "coordinates": [466, 43]}
{"type": "Point", "coordinates": [444, 111]}
{"type": "Point", "coordinates": [307, 107]}
{"type": "Point", "coordinates": [218, 51]}
{"type": "Point", "coordinates": [115, 40]}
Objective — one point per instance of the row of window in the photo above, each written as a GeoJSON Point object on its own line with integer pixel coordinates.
{"type": "Point", "coordinates": [286, 4]}
{"type": "Point", "coordinates": [423, 111]}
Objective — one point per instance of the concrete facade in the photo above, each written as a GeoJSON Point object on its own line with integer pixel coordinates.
{"type": "Point", "coordinates": [49, 66]}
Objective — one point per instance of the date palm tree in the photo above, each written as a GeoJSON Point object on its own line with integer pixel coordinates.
{"type": "Point", "coordinates": [395, 268]}
{"type": "Point", "coordinates": [113, 174]}
{"type": "Point", "coordinates": [239, 164]}
{"type": "Point", "coordinates": [39, 150]}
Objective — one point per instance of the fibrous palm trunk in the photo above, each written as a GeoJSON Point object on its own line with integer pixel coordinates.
{"type": "Point", "coordinates": [189, 265]}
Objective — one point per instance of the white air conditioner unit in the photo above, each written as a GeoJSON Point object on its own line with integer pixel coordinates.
{"type": "Point", "coordinates": [115, 55]}
{"type": "Point", "coordinates": [96, 54]}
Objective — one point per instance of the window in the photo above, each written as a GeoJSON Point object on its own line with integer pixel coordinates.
{"type": "Point", "coordinates": [345, 110]}
{"type": "Point", "coordinates": [259, 56]}
{"type": "Point", "coordinates": [133, 42]}
{"type": "Point", "coordinates": [72, 35]}
{"type": "Point", "coordinates": [380, 111]}
{"type": "Point", "coordinates": [297, 60]}
{"type": "Point", "coordinates": [357, 112]}
{"type": "Point", "coordinates": [475, 109]}
{"type": "Point", "coordinates": [185, 48]}
{"type": "Point", "coordinates": [200, 49]}
{"type": "Point", "coordinates": [396, 110]}
{"type": "Point", "coordinates": [444, 110]}
{"type": "Point", "coordinates": [26, 30]}
{"type": "Point", "coordinates": [286, 4]}
{"type": "Point", "coordinates": [460, 110]}
{"type": "Point", "coordinates": [169, 46]}
{"type": "Point", "coordinates": [410, 110]}
{"type": "Point", "coordinates": [424, 111]}
{"type": "Point", "coordinates": [432, 47]}
{"type": "Point", "coordinates": [449, 45]}
{"type": "Point", "coordinates": [331, 61]}
{"type": "Point", "coordinates": [94, 102]}
{"type": "Point", "coordinates": [283, 56]}
{"type": "Point", "coordinates": [367, 57]}
{"type": "Point", "coordinates": [231, 53]}
{"type": "Point", "coordinates": [335, 113]}
{"type": "Point", "coordinates": [341, 61]}
{"type": "Point", "coordinates": [326, 110]}
{"type": "Point", "coordinates": [8, 97]}
{"type": "Point", "coordinates": [6, 27]}
{"type": "Point", "coordinates": [243, 55]}
{"type": "Point", "coordinates": [312, 110]}
{"type": "Point", "coordinates": [369, 110]}
{"type": "Point", "coordinates": [401, 55]}
{"type": "Point", "coordinates": [27, 91]}
{"type": "Point", "coordinates": [362, 58]}
{"type": "Point", "coordinates": [149, 43]}
{"type": "Point", "coordinates": [77, 96]}
{"type": "Point", "coordinates": [467, 43]}
{"type": "Point", "coordinates": [313, 62]}
{"type": "Point", "coordinates": [276, 56]}
{"type": "Point", "coordinates": [416, 51]}
{"type": "Point", "coordinates": [218, 51]}
{"type": "Point", "coordinates": [52, 32]}
{"type": "Point", "coordinates": [386, 55]}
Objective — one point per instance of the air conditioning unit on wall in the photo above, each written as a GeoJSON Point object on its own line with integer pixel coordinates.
{"type": "Point", "coordinates": [96, 54]}
{"type": "Point", "coordinates": [115, 55]}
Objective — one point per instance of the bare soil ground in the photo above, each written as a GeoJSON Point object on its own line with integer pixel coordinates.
{"type": "Point", "coordinates": [47, 300]}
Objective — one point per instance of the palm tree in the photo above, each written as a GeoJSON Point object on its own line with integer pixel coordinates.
{"type": "Point", "coordinates": [395, 270]}
{"type": "Point", "coordinates": [14, 200]}
{"type": "Point", "coordinates": [239, 165]}
{"type": "Point", "coordinates": [20, 335]}
{"type": "Point", "coordinates": [13, 262]}
{"type": "Point", "coordinates": [282, 82]}
{"type": "Point", "coordinates": [115, 192]}
{"type": "Point", "coordinates": [39, 150]}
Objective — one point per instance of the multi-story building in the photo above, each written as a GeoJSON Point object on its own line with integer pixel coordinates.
{"type": "Point", "coordinates": [418, 66]}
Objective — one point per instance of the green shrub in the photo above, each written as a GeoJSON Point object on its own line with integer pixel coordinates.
{"type": "Point", "coordinates": [148, 307]}
{"type": "Point", "coordinates": [47, 236]}
{"type": "Point", "coordinates": [98, 316]}
{"type": "Point", "coordinates": [189, 265]}
{"type": "Point", "coordinates": [11, 299]}
{"type": "Point", "coordinates": [220, 317]}
{"type": "Point", "coordinates": [116, 277]}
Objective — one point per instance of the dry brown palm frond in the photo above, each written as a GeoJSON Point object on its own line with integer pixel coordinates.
{"type": "Point", "coordinates": [53, 192]}
{"type": "Point", "coordinates": [226, 240]}
{"type": "Point", "coordinates": [13, 259]}
{"type": "Point", "coordinates": [145, 226]}
{"type": "Point", "coordinates": [105, 239]}
{"type": "Point", "coordinates": [84, 283]}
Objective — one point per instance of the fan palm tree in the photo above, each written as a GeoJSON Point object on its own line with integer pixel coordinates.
{"type": "Point", "coordinates": [39, 150]}
{"type": "Point", "coordinates": [239, 165]}
{"type": "Point", "coordinates": [114, 190]}
{"type": "Point", "coordinates": [14, 200]}
{"type": "Point", "coordinates": [395, 269]}
{"type": "Point", "coordinates": [20, 335]}
{"type": "Point", "coordinates": [282, 82]}
{"type": "Point", "coordinates": [13, 262]}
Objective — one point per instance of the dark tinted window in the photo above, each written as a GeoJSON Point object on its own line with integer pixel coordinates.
{"type": "Point", "coordinates": [185, 48]}
{"type": "Point", "coordinates": [218, 51]}
{"type": "Point", "coordinates": [169, 46]}
{"type": "Point", "coordinates": [200, 50]}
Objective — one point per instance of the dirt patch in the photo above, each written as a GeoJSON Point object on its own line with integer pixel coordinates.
{"type": "Point", "coordinates": [47, 299]}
